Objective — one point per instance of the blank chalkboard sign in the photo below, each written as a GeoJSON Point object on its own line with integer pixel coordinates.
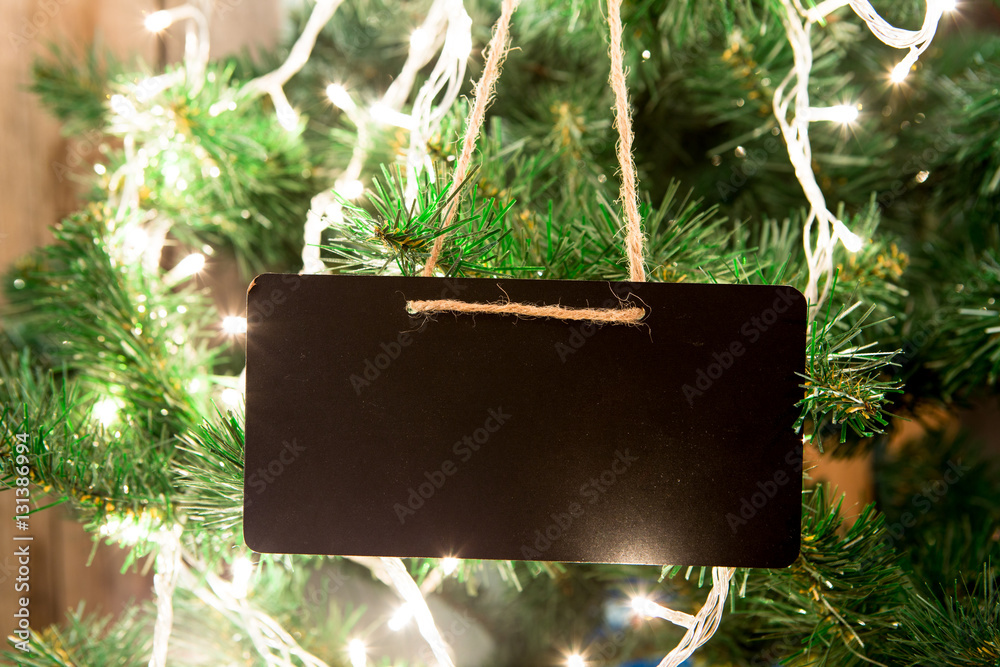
{"type": "Point", "coordinates": [371, 432]}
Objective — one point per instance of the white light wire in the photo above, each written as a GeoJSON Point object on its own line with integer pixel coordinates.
{"type": "Point", "coordinates": [447, 75]}
{"type": "Point", "coordinates": [829, 229]}
{"type": "Point", "coordinates": [703, 625]}
{"type": "Point", "coordinates": [168, 566]}
{"type": "Point", "coordinates": [274, 644]}
{"type": "Point", "coordinates": [395, 571]}
{"type": "Point", "coordinates": [447, 26]}
{"type": "Point", "coordinates": [272, 83]}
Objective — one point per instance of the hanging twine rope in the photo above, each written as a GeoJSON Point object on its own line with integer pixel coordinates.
{"type": "Point", "coordinates": [703, 625]}
{"type": "Point", "coordinates": [484, 95]}
{"type": "Point", "coordinates": [623, 122]}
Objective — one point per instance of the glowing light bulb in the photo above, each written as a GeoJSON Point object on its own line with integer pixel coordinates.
{"type": "Point", "coordinates": [900, 71]}
{"type": "Point", "coordinates": [106, 411]}
{"type": "Point", "coordinates": [186, 268]}
{"type": "Point", "coordinates": [851, 241]}
{"type": "Point", "coordinates": [357, 653]}
{"type": "Point", "coordinates": [383, 113]}
{"type": "Point", "coordinates": [463, 46]}
{"type": "Point", "coordinates": [242, 569]}
{"type": "Point", "coordinates": [339, 96]}
{"type": "Point", "coordinates": [234, 325]}
{"type": "Point", "coordinates": [644, 606]}
{"type": "Point", "coordinates": [845, 113]}
{"type": "Point", "coordinates": [421, 39]}
{"type": "Point", "coordinates": [449, 565]}
{"type": "Point", "coordinates": [575, 660]}
{"type": "Point", "coordinates": [122, 106]}
{"type": "Point", "coordinates": [841, 113]}
{"type": "Point", "coordinates": [948, 5]}
{"type": "Point", "coordinates": [401, 617]}
{"type": "Point", "coordinates": [158, 21]}
{"type": "Point", "coordinates": [351, 189]}
{"type": "Point", "coordinates": [231, 397]}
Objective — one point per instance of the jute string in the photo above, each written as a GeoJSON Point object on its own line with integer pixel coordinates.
{"type": "Point", "coordinates": [623, 122]}
{"type": "Point", "coordinates": [604, 315]}
{"type": "Point", "coordinates": [498, 48]}
{"type": "Point", "coordinates": [703, 625]}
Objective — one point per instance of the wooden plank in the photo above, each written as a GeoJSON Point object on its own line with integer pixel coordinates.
{"type": "Point", "coordinates": [36, 196]}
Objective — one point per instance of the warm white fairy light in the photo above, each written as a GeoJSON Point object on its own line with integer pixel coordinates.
{"type": "Point", "coordinates": [442, 86]}
{"type": "Point", "coordinates": [901, 71]}
{"type": "Point", "coordinates": [230, 397]}
{"type": "Point", "coordinates": [272, 83]}
{"type": "Point", "coordinates": [842, 113]}
{"type": "Point", "coordinates": [386, 115]}
{"type": "Point", "coordinates": [234, 325]}
{"type": "Point", "coordinates": [421, 39]}
{"type": "Point", "coordinates": [575, 660]}
{"type": "Point", "coordinates": [351, 189]}
{"type": "Point", "coordinates": [339, 96]}
{"type": "Point", "coordinates": [159, 21]}
{"type": "Point", "coordinates": [396, 572]}
{"type": "Point", "coordinates": [645, 607]}
{"type": "Point", "coordinates": [196, 42]}
{"type": "Point", "coordinates": [242, 569]}
{"type": "Point", "coordinates": [186, 268]}
{"type": "Point", "coordinates": [357, 652]}
{"type": "Point", "coordinates": [822, 229]}
{"type": "Point", "coordinates": [124, 529]}
{"type": "Point", "coordinates": [106, 410]}
{"type": "Point", "coordinates": [449, 565]}
{"type": "Point", "coordinates": [401, 617]}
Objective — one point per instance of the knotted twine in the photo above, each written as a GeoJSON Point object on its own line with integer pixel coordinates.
{"type": "Point", "coordinates": [485, 87]}
{"type": "Point", "coordinates": [703, 625]}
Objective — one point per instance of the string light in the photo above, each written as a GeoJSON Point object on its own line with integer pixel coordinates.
{"type": "Point", "coordinates": [186, 268]}
{"type": "Point", "coordinates": [396, 572]}
{"type": "Point", "coordinates": [242, 569]}
{"type": "Point", "coordinates": [272, 83]}
{"type": "Point", "coordinates": [159, 21]}
{"type": "Point", "coordinates": [231, 397]}
{"type": "Point", "coordinates": [106, 411]}
{"type": "Point", "coordinates": [575, 660]}
{"type": "Point", "coordinates": [901, 71]}
{"type": "Point", "coordinates": [234, 325]}
{"type": "Point", "coordinates": [449, 565]}
{"type": "Point", "coordinates": [842, 113]}
{"type": "Point", "coordinates": [421, 39]}
{"type": "Point", "coordinates": [385, 114]}
{"type": "Point", "coordinates": [401, 617]}
{"type": "Point", "coordinates": [351, 189]}
{"type": "Point", "coordinates": [196, 42]}
{"type": "Point", "coordinates": [357, 653]}
{"type": "Point", "coordinates": [339, 96]}
{"type": "Point", "coordinates": [819, 243]}
{"type": "Point", "coordinates": [645, 607]}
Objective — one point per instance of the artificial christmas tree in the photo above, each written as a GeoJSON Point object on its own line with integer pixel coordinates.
{"type": "Point", "coordinates": [776, 143]}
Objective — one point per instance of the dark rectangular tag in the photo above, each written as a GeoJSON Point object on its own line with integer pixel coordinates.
{"type": "Point", "coordinates": [371, 432]}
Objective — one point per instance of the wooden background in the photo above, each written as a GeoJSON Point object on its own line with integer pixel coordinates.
{"type": "Point", "coordinates": [34, 197]}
